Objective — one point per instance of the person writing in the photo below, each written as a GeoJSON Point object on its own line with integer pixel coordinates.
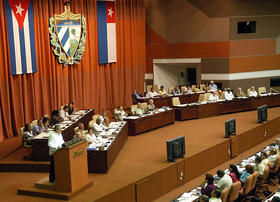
{"type": "Point", "coordinates": [208, 185]}
{"type": "Point", "coordinates": [98, 127]}
{"type": "Point", "coordinates": [55, 141]}
{"type": "Point", "coordinates": [225, 180]}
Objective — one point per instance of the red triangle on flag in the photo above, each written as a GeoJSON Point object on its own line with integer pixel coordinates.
{"type": "Point", "coordinates": [19, 8]}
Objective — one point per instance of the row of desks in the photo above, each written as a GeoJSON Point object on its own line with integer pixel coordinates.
{"type": "Point", "coordinates": [195, 111]}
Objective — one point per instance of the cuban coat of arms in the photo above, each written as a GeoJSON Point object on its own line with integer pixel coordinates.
{"type": "Point", "coordinates": [68, 36]}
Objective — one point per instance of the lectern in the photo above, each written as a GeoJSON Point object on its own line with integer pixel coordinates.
{"type": "Point", "coordinates": [71, 168]}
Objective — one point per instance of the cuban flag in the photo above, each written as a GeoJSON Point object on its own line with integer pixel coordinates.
{"type": "Point", "coordinates": [106, 23]}
{"type": "Point", "coordinates": [20, 24]}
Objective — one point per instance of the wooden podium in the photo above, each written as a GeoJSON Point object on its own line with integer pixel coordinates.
{"type": "Point", "coordinates": [71, 168]}
{"type": "Point", "coordinates": [71, 173]}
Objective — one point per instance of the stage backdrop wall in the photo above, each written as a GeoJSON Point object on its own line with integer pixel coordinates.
{"type": "Point", "coordinates": [90, 85]}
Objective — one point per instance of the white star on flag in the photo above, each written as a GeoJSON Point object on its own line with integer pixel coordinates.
{"type": "Point", "coordinates": [110, 12]}
{"type": "Point", "coordinates": [19, 9]}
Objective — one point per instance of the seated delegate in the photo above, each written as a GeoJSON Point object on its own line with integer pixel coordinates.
{"type": "Point", "coordinates": [253, 92]}
{"type": "Point", "coordinates": [225, 180]}
{"type": "Point", "coordinates": [240, 93]}
{"type": "Point", "coordinates": [228, 94]}
{"type": "Point", "coordinates": [55, 118]}
{"type": "Point", "coordinates": [176, 91]}
{"type": "Point", "coordinates": [162, 91]}
{"type": "Point", "coordinates": [27, 134]}
{"type": "Point", "coordinates": [64, 113]}
{"type": "Point", "coordinates": [213, 96]}
{"type": "Point", "coordinates": [137, 110]}
{"type": "Point", "coordinates": [151, 106]}
{"type": "Point", "coordinates": [71, 108]}
{"type": "Point", "coordinates": [136, 95]}
{"type": "Point", "coordinates": [213, 86]}
{"type": "Point", "coordinates": [152, 93]}
{"type": "Point", "coordinates": [208, 185]}
{"type": "Point", "coordinates": [120, 114]}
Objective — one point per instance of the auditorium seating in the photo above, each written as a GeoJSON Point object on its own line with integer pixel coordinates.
{"type": "Point", "coordinates": [246, 187]}
{"type": "Point", "coordinates": [170, 90]}
{"type": "Point", "coordinates": [149, 87]}
{"type": "Point", "coordinates": [234, 191]}
{"type": "Point", "coordinates": [261, 90]}
{"type": "Point", "coordinates": [133, 107]}
{"type": "Point", "coordinates": [156, 87]}
{"type": "Point", "coordinates": [183, 88]}
{"type": "Point", "coordinates": [224, 194]}
{"type": "Point", "coordinates": [206, 97]}
{"type": "Point", "coordinates": [176, 101]}
{"type": "Point", "coordinates": [144, 106]}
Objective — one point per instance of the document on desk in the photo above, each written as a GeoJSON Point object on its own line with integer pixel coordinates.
{"type": "Point", "coordinates": [132, 117]}
{"type": "Point", "coordinates": [182, 105]}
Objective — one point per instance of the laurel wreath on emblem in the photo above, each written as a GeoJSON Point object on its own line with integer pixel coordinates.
{"type": "Point", "coordinates": [58, 50]}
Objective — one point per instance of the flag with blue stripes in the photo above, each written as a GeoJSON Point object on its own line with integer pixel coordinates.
{"type": "Point", "coordinates": [20, 22]}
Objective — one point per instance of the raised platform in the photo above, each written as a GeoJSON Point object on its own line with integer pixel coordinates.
{"type": "Point", "coordinates": [141, 171]}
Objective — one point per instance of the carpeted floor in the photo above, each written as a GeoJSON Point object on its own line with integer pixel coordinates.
{"type": "Point", "coordinates": [142, 155]}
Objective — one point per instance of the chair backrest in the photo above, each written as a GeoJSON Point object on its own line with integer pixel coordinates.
{"type": "Point", "coordinates": [183, 89]}
{"type": "Point", "coordinates": [255, 178]}
{"type": "Point", "coordinates": [144, 106]}
{"type": "Point", "coordinates": [170, 90]}
{"type": "Point", "coordinates": [193, 86]}
{"type": "Point", "coordinates": [76, 129]}
{"type": "Point", "coordinates": [224, 194]}
{"type": "Point", "coordinates": [202, 86]}
{"type": "Point", "coordinates": [156, 87]}
{"type": "Point", "coordinates": [132, 108]}
{"type": "Point", "coordinates": [261, 90]}
{"type": "Point", "coordinates": [47, 115]}
{"type": "Point", "coordinates": [276, 165]}
{"type": "Point", "coordinates": [248, 92]}
{"type": "Point", "coordinates": [201, 97]}
{"type": "Point", "coordinates": [90, 124]}
{"type": "Point", "coordinates": [247, 185]}
{"type": "Point", "coordinates": [175, 101]}
{"type": "Point", "coordinates": [34, 122]}
{"type": "Point", "coordinates": [206, 97]}
{"type": "Point", "coordinates": [234, 191]}
{"type": "Point", "coordinates": [21, 131]}
{"type": "Point", "coordinates": [84, 132]}
{"type": "Point", "coordinates": [95, 117]}
{"type": "Point", "coordinates": [61, 107]}
{"type": "Point", "coordinates": [149, 87]}
{"type": "Point", "coordinates": [266, 173]}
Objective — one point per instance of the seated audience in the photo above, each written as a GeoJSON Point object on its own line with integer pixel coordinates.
{"type": "Point", "coordinates": [215, 197]}
{"type": "Point", "coordinates": [55, 118]}
{"type": "Point", "coordinates": [197, 88]}
{"type": "Point", "coordinates": [136, 95]}
{"type": "Point", "coordinates": [203, 198]}
{"type": "Point", "coordinates": [39, 127]}
{"type": "Point", "coordinates": [253, 92]}
{"type": "Point", "coordinates": [106, 122]}
{"type": "Point", "coordinates": [64, 113]}
{"type": "Point", "coordinates": [90, 136]}
{"type": "Point", "coordinates": [249, 169]}
{"type": "Point", "coordinates": [98, 127]}
{"type": "Point", "coordinates": [162, 91]}
{"type": "Point", "coordinates": [208, 185]}
{"type": "Point", "coordinates": [213, 96]}
{"type": "Point", "coordinates": [225, 180]}
{"type": "Point", "coordinates": [213, 86]}
{"type": "Point", "coordinates": [151, 106]}
{"type": "Point", "coordinates": [138, 110]}
{"type": "Point", "coordinates": [71, 108]}
{"type": "Point", "coordinates": [234, 173]}
{"type": "Point", "coordinates": [228, 94]}
{"type": "Point", "coordinates": [176, 91]}
{"type": "Point", "coordinates": [272, 156]}
{"type": "Point", "coordinates": [120, 113]}
{"type": "Point", "coordinates": [152, 93]}
{"type": "Point", "coordinates": [240, 93]}
{"type": "Point", "coordinates": [188, 90]}
{"type": "Point", "coordinates": [27, 134]}
{"type": "Point", "coordinates": [103, 115]}
{"type": "Point", "coordinates": [259, 166]}
{"type": "Point", "coordinates": [221, 95]}
{"type": "Point", "coordinates": [264, 158]}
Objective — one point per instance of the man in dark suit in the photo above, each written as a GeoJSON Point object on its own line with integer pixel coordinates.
{"type": "Point", "coordinates": [135, 96]}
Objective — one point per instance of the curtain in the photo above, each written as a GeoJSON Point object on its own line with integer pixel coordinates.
{"type": "Point", "coordinates": [27, 97]}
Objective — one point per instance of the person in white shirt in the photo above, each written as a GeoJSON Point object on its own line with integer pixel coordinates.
{"type": "Point", "coordinates": [272, 156]}
{"type": "Point", "coordinates": [214, 96]}
{"type": "Point", "coordinates": [228, 94]}
{"type": "Point", "coordinates": [90, 136]}
{"type": "Point", "coordinates": [120, 113]}
{"type": "Point", "coordinates": [98, 127]}
{"type": "Point", "coordinates": [264, 158]}
{"type": "Point", "coordinates": [189, 90]}
{"type": "Point", "coordinates": [216, 194]}
{"type": "Point", "coordinates": [151, 106]}
{"type": "Point", "coordinates": [152, 93]}
{"type": "Point", "coordinates": [213, 86]}
{"type": "Point", "coordinates": [259, 166]}
{"type": "Point", "coordinates": [27, 134]}
{"type": "Point", "coordinates": [55, 141]}
{"type": "Point", "coordinates": [225, 180]}
{"type": "Point", "coordinates": [64, 113]}
{"type": "Point", "coordinates": [253, 92]}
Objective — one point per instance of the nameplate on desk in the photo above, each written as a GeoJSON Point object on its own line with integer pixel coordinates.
{"type": "Point", "coordinates": [78, 153]}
